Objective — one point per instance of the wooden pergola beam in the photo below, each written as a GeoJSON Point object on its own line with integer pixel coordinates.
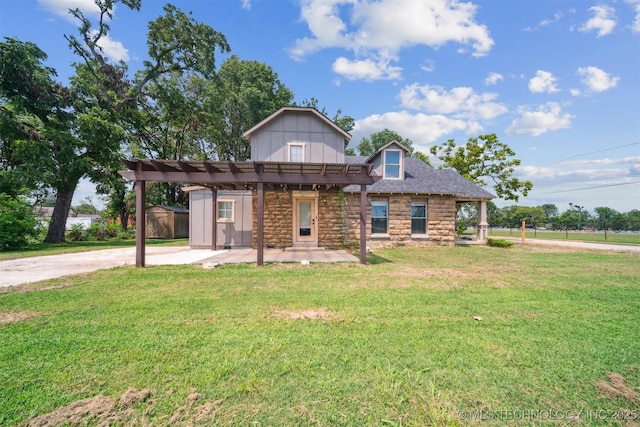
{"type": "Point", "coordinates": [218, 175]}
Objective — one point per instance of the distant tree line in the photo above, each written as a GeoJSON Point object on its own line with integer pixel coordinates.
{"type": "Point", "coordinates": [548, 216]}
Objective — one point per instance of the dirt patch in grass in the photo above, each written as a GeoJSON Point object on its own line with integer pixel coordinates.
{"type": "Point", "coordinates": [99, 410]}
{"type": "Point", "coordinates": [615, 387]}
{"type": "Point", "coordinates": [310, 314]}
{"type": "Point", "coordinates": [30, 287]}
{"type": "Point", "coordinates": [15, 317]}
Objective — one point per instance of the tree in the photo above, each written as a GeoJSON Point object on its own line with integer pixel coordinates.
{"type": "Point", "coordinates": [367, 147]}
{"type": "Point", "coordinates": [346, 123]}
{"type": "Point", "coordinates": [607, 218]}
{"type": "Point", "coordinates": [33, 111]}
{"type": "Point", "coordinates": [242, 94]}
{"type": "Point", "coordinates": [105, 102]}
{"type": "Point", "coordinates": [484, 157]}
{"type": "Point", "coordinates": [632, 220]}
{"type": "Point", "coordinates": [550, 210]}
{"type": "Point", "coordinates": [18, 223]}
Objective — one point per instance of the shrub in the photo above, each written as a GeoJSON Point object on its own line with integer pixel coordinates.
{"type": "Point", "coordinates": [76, 233]}
{"type": "Point", "coordinates": [499, 243]}
{"type": "Point", "coordinates": [19, 225]}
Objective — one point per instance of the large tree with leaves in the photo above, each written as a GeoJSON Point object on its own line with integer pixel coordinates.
{"type": "Point", "coordinates": [482, 158]}
{"type": "Point", "coordinates": [242, 93]}
{"type": "Point", "coordinates": [106, 101]}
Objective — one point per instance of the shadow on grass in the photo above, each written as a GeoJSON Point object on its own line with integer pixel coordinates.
{"type": "Point", "coordinates": [373, 259]}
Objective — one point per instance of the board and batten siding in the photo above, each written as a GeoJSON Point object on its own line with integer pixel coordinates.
{"type": "Point", "coordinates": [236, 234]}
{"type": "Point", "coordinates": [322, 144]}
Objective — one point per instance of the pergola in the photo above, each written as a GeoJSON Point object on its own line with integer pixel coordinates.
{"type": "Point", "coordinates": [258, 176]}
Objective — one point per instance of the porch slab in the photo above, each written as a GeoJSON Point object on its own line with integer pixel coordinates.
{"type": "Point", "coordinates": [236, 256]}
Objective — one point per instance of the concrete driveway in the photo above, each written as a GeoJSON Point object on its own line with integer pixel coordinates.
{"type": "Point", "coordinates": [28, 270]}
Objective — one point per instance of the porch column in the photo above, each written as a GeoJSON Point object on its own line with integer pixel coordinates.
{"type": "Point", "coordinates": [214, 220]}
{"type": "Point", "coordinates": [363, 224]}
{"type": "Point", "coordinates": [481, 229]}
{"type": "Point", "coordinates": [260, 219]}
{"type": "Point", "coordinates": [141, 222]}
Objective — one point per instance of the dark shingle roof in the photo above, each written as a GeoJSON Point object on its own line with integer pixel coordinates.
{"type": "Point", "coordinates": [423, 179]}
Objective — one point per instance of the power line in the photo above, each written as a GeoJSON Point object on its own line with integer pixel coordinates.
{"type": "Point", "coordinates": [592, 188]}
{"type": "Point", "coordinates": [595, 152]}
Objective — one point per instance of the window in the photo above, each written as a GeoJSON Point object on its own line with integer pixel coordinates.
{"type": "Point", "coordinates": [296, 153]}
{"type": "Point", "coordinates": [392, 164]}
{"type": "Point", "coordinates": [379, 215]}
{"type": "Point", "coordinates": [225, 210]}
{"type": "Point", "coordinates": [418, 218]}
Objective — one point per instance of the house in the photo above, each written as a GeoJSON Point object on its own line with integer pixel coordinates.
{"type": "Point", "coordinates": [305, 193]}
{"type": "Point", "coordinates": [85, 220]}
{"type": "Point", "coordinates": [413, 204]}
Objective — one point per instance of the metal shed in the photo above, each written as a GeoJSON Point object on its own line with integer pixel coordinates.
{"type": "Point", "coordinates": [166, 222]}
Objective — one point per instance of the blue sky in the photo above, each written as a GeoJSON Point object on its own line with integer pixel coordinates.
{"type": "Point", "coordinates": [556, 80]}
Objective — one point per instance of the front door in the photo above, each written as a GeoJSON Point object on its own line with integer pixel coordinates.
{"type": "Point", "coordinates": [305, 227]}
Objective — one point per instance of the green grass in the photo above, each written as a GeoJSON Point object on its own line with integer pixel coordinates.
{"type": "Point", "coordinates": [41, 249]}
{"type": "Point", "coordinates": [625, 238]}
{"type": "Point", "coordinates": [396, 344]}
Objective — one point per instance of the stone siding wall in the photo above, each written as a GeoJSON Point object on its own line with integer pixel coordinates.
{"type": "Point", "coordinates": [278, 219]}
{"type": "Point", "coordinates": [441, 213]}
{"type": "Point", "coordinates": [330, 225]}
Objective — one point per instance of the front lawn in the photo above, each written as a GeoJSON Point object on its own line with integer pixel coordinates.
{"type": "Point", "coordinates": [441, 336]}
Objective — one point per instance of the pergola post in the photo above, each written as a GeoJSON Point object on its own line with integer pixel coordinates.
{"type": "Point", "coordinates": [363, 224]}
{"type": "Point", "coordinates": [214, 220]}
{"type": "Point", "coordinates": [141, 222]}
{"type": "Point", "coordinates": [260, 220]}
{"type": "Point", "coordinates": [481, 229]}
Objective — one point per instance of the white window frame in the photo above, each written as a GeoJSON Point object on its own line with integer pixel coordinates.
{"type": "Point", "coordinates": [233, 210]}
{"type": "Point", "coordinates": [380, 203]}
{"type": "Point", "coordinates": [400, 164]}
{"type": "Point", "coordinates": [290, 146]}
{"type": "Point", "coordinates": [426, 221]}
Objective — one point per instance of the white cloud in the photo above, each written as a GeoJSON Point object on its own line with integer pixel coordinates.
{"type": "Point", "coordinates": [545, 118]}
{"type": "Point", "coordinates": [61, 7]}
{"type": "Point", "coordinates": [493, 78]}
{"type": "Point", "coordinates": [603, 21]}
{"type": "Point", "coordinates": [422, 129]}
{"type": "Point", "coordinates": [246, 4]}
{"type": "Point", "coordinates": [575, 92]}
{"type": "Point", "coordinates": [428, 66]}
{"type": "Point", "coordinates": [113, 49]}
{"type": "Point", "coordinates": [462, 102]}
{"type": "Point", "coordinates": [544, 81]}
{"type": "Point", "coordinates": [635, 27]}
{"type": "Point", "coordinates": [367, 69]}
{"type": "Point", "coordinates": [381, 29]}
{"type": "Point", "coordinates": [596, 79]}
{"type": "Point", "coordinates": [556, 17]}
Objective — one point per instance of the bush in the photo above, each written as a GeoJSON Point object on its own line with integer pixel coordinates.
{"type": "Point", "coordinates": [499, 243]}
{"type": "Point", "coordinates": [19, 225]}
{"type": "Point", "coordinates": [76, 233]}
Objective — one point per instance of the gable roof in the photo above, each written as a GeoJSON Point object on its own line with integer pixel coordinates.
{"type": "Point", "coordinates": [421, 178]}
{"type": "Point", "coordinates": [309, 110]}
{"type": "Point", "coordinates": [386, 146]}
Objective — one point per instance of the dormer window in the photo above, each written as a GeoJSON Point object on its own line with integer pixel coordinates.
{"type": "Point", "coordinates": [393, 164]}
{"type": "Point", "coordinates": [296, 153]}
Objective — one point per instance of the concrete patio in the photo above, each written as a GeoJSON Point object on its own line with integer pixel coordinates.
{"type": "Point", "coordinates": [34, 269]}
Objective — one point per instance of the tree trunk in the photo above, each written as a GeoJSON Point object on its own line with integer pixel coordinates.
{"type": "Point", "coordinates": [60, 214]}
